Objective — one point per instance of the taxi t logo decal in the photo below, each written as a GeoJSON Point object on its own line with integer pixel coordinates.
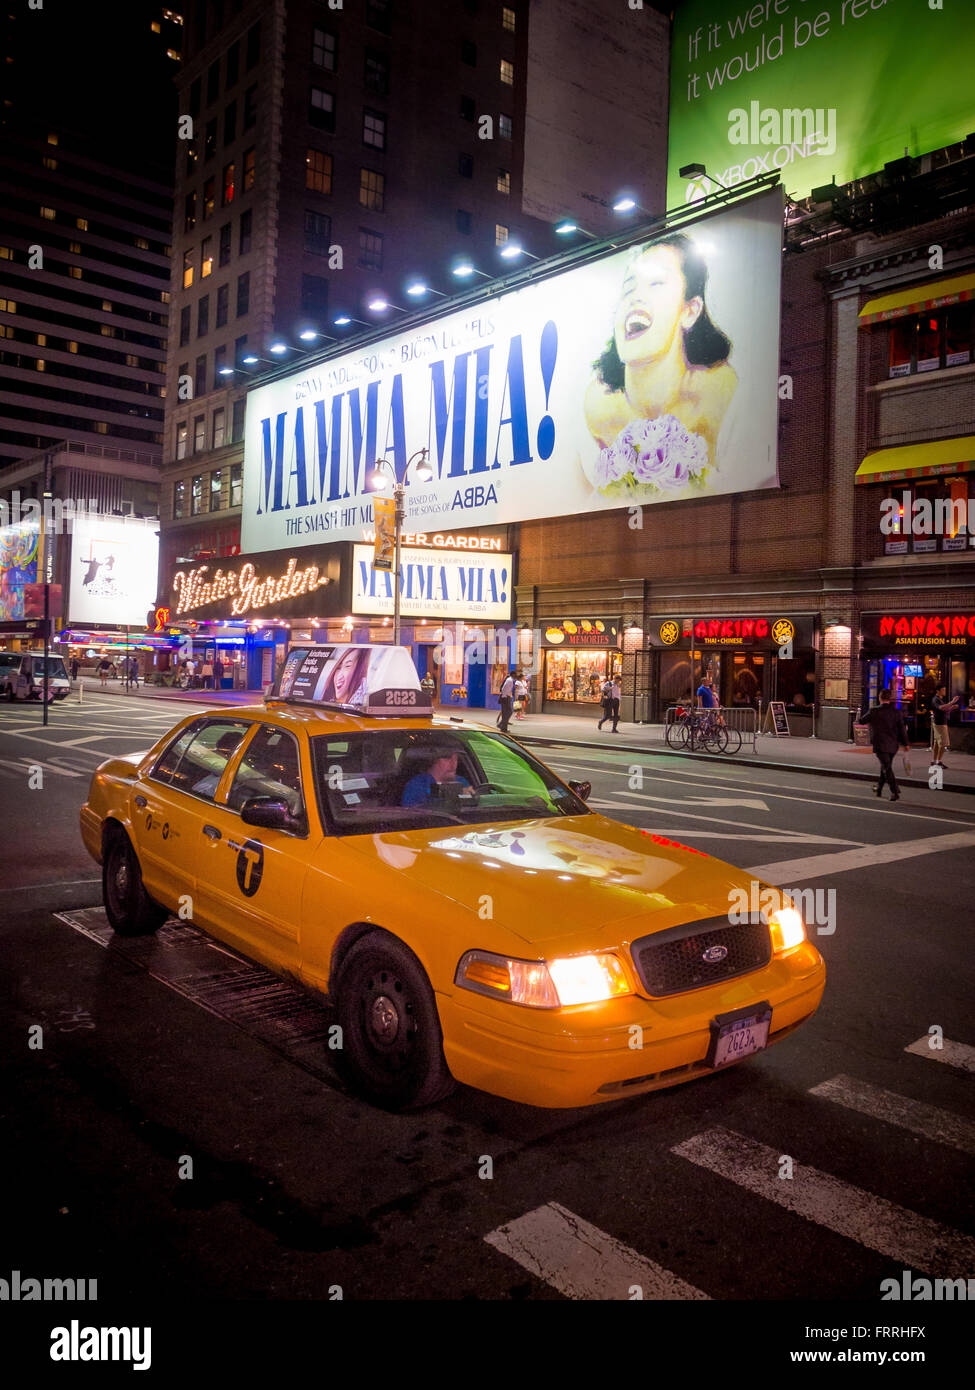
{"type": "Point", "coordinates": [250, 867]}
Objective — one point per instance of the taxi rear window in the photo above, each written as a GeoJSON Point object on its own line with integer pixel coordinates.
{"type": "Point", "coordinates": [389, 779]}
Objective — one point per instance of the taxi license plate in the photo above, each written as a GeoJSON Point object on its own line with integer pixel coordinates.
{"type": "Point", "coordinates": [739, 1034]}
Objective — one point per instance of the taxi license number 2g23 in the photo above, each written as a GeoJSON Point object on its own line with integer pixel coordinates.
{"type": "Point", "coordinates": [400, 697]}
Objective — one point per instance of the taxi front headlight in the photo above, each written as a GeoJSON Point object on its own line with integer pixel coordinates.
{"type": "Point", "coordinates": [786, 929]}
{"type": "Point", "coordinates": [543, 984]}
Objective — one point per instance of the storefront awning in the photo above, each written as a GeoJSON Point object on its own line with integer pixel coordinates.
{"type": "Point", "coordinates": [919, 460]}
{"type": "Point", "coordinates": [934, 295]}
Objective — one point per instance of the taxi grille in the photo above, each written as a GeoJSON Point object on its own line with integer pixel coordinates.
{"type": "Point", "coordinates": [669, 962]}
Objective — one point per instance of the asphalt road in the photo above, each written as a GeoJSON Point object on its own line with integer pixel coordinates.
{"type": "Point", "coordinates": [172, 1055]}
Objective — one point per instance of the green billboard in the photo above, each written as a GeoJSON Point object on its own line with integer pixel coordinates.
{"type": "Point", "coordinates": [815, 88]}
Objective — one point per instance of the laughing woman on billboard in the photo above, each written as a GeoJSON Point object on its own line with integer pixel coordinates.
{"type": "Point", "coordinates": [661, 389]}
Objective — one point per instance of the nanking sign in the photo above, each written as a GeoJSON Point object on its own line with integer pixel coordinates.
{"type": "Point", "coordinates": [645, 375]}
{"type": "Point", "coordinates": [435, 584]}
{"type": "Point", "coordinates": [886, 632]}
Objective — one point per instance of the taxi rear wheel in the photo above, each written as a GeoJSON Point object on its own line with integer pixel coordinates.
{"type": "Point", "coordinates": [392, 1046]}
{"type": "Point", "coordinates": [128, 907]}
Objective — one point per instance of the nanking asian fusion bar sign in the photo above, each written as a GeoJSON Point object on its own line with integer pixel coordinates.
{"type": "Point", "coordinates": [891, 632]}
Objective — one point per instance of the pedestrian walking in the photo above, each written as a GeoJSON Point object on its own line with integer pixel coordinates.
{"type": "Point", "coordinates": [615, 695]}
{"type": "Point", "coordinates": [190, 673]}
{"type": "Point", "coordinates": [74, 668]}
{"type": "Point", "coordinates": [606, 699]}
{"type": "Point", "coordinates": [887, 732]}
{"type": "Point", "coordinates": [217, 673]}
{"type": "Point", "coordinates": [207, 674]}
{"type": "Point", "coordinates": [940, 709]}
{"type": "Point", "coordinates": [104, 666]}
{"type": "Point", "coordinates": [521, 697]}
{"type": "Point", "coordinates": [506, 696]}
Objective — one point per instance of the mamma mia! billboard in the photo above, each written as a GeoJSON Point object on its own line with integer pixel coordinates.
{"type": "Point", "coordinates": [647, 375]}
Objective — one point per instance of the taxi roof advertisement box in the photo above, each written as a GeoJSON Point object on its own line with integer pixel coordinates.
{"type": "Point", "coordinates": [544, 401]}
{"type": "Point", "coordinates": [815, 88]}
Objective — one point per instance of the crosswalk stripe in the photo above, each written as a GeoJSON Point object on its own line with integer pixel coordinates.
{"type": "Point", "coordinates": [917, 1116]}
{"type": "Point", "coordinates": [956, 1054]}
{"type": "Point", "coordinates": [905, 1236]}
{"type": "Point", "coordinates": [865, 857]}
{"type": "Point", "coordinates": [583, 1262]}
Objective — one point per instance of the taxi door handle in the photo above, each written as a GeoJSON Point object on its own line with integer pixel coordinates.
{"type": "Point", "coordinates": [140, 801]}
{"type": "Point", "coordinates": [211, 832]}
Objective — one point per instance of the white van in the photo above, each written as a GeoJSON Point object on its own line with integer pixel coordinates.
{"type": "Point", "coordinates": [27, 681]}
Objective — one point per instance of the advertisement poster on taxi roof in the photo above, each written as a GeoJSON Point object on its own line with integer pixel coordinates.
{"type": "Point", "coordinates": [647, 375]}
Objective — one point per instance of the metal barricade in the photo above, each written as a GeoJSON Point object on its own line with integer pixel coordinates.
{"type": "Point", "coordinates": [743, 719]}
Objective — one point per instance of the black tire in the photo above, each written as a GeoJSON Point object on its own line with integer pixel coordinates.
{"type": "Point", "coordinates": [392, 1045]}
{"type": "Point", "coordinates": [10, 692]}
{"type": "Point", "coordinates": [128, 907]}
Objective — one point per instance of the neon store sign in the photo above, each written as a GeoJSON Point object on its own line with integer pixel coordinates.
{"type": "Point", "coordinates": [246, 592]}
{"type": "Point", "coordinates": [929, 627]}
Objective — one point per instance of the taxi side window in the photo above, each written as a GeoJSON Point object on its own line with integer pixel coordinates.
{"type": "Point", "coordinates": [271, 767]}
{"type": "Point", "coordinates": [196, 761]}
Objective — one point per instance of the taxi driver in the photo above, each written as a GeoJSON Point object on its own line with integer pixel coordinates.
{"type": "Point", "coordinates": [443, 768]}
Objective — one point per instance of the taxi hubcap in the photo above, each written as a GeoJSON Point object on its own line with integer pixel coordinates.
{"type": "Point", "coordinates": [122, 878]}
{"type": "Point", "coordinates": [384, 1020]}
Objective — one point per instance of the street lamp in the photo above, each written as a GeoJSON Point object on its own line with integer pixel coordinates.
{"type": "Point", "coordinates": [377, 481]}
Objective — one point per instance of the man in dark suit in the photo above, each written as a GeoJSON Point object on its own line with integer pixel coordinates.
{"type": "Point", "coordinates": [887, 732]}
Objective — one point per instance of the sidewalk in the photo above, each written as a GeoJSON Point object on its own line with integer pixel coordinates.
{"type": "Point", "coordinates": [825, 758]}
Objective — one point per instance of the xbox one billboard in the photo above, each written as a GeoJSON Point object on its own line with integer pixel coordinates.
{"type": "Point", "coordinates": [816, 89]}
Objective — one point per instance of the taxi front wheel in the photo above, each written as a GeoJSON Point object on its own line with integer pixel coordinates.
{"type": "Point", "coordinates": [392, 1052]}
{"type": "Point", "coordinates": [128, 907]}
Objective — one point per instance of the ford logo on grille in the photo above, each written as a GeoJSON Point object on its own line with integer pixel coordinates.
{"type": "Point", "coordinates": [714, 953]}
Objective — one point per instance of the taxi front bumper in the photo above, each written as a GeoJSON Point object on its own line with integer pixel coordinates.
{"type": "Point", "coordinates": [589, 1054]}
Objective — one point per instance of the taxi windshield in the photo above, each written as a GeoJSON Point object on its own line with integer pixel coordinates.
{"type": "Point", "coordinates": [55, 666]}
{"type": "Point", "coordinates": [406, 779]}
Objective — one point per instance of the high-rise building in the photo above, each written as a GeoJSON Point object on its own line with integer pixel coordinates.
{"type": "Point", "coordinates": [330, 155]}
{"type": "Point", "coordinates": [85, 228]}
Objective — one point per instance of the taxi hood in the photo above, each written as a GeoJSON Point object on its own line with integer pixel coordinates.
{"type": "Point", "coordinates": [582, 882]}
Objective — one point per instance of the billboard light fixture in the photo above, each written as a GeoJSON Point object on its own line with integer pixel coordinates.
{"type": "Point", "coordinates": [278, 348]}
{"type": "Point", "coordinates": [418, 287]}
{"type": "Point", "coordinates": [341, 320]}
{"type": "Point", "coordinates": [464, 270]}
{"type": "Point", "coordinates": [568, 226]}
{"type": "Point", "coordinates": [511, 250]}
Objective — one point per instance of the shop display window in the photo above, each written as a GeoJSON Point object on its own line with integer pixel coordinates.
{"type": "Point", "coordinates": [577, 676]}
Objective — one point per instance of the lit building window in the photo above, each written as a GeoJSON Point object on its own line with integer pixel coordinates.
{"type": "Point", "coordinates": [216, 477]}
{"type": "Point", "coordinates": [208, 197]}
{"type": "Point", "coordinates": [507, 73]}
{"type": "Point", "coordinates": [142, 244]}
{"type": "Point", "coordinates": [219, 417]}
{"type": "Point", "coordinates": [504, 127]}
{"type": "Point", "coordinates": [504, 181]}
{"type": "Point", "coordinates": [206, 258]}
{"type": "Point", "coordinates": [249, 168]}
{"type": "Point", "coordinates": [181, 434]}
{"type": "Point", "coordinates": [52, 139]}
{"type": "Point", "coordinates": [131, 360]}
{"type": "Point", "coordinates": [41, 365]}
{"type": "Point", "coordinates": [228, 184]}
{"type": "Point", "coordinates": [507, 19]}
{"type": "Point", "coordinates": [236, 483]}
{"type": "Point", "coordinates": [318, 171]}
{"type": "Point", "coordinates": [108, 306]}
{"type": "Point", "coordinates": [179, 488]}
{"type": "Point", "coordinates": [81, 223]}
{"type": "Point", "coordinates": [372, 190]}
{"type": "Point", "coordinates": [8, 306]}
{"type": "Point", "coordinates": [74, 247]}
{"type": "Point", "coordinates": [49, 163]}
{"type": "Point", "coordinates": [6, 253]}
{"type": "Point", "coordinates": [42, 340]}
{"type": "Point", "coordinates": [48, 214]}
{"type": "Point", "coordinates": [74, 272]}
{"type": "Point", "coordinates": [187, 269]}
{"type": "Point", "coordinates": [72, 346]}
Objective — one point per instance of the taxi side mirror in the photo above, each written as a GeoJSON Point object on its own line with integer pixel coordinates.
{"type": "Point", "coordinates": [582, 789]}
{"type": "Point", "coordinates": [267, 812]}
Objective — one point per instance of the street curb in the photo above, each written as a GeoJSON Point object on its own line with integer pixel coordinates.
{"type": "Point", "coordinates": [751, 762]}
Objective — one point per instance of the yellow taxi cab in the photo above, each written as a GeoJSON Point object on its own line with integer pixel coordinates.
{"type": "Point", "coordinates": [466, 913]}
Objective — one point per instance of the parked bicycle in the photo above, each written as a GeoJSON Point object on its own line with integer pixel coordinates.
{"type": "Point", "coordinates": [705, 729]}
